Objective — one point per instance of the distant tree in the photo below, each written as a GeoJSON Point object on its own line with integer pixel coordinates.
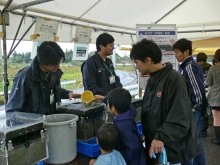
{"type": "Point", "coordinates": [68, 55]}
{"type": "Point", "coordinates": [27, 57]}
{"type": "Point", "coordinates": [91, 53]}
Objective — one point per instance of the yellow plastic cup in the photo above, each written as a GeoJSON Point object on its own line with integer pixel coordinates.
{"type": "Point", "coordinates": [87, 97]}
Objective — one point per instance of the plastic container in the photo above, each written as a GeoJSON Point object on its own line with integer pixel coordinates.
{"type": "Point", "coordinates": [139, 127]}
{"type": "Point", "coordinates": [40, 163]}
{"type": "Point", "coordinates": [89, 148]}
{"type": "Point", "coordinates": [61, 129]}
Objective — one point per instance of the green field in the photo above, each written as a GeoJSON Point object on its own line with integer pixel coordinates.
{"type": "Point", "coordinates": [70, 73]}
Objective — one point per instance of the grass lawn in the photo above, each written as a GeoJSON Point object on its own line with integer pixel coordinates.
{"type": "Point", "coordinates": [70, 73]}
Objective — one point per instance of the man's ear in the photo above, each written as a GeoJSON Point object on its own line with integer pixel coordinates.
{"type": "Point", "coordinates": [101, 46]}
{"type": "Point", "coordinates": [113, 108]}
{"type": "Point", "coordinates": [186, 52]}
{"type": "Point", "coordinates": [148, 60]}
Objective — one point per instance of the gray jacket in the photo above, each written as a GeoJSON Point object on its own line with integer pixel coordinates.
{"type": "Point", "coordinates": [213, 80]}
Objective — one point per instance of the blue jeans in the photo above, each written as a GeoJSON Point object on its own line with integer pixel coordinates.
{"type": "Point", "coordinates": [189, 162]}
{"type": "Point", "coordinates": [200, 159]}
{"type": "Point", "coordinates": [204, 125]}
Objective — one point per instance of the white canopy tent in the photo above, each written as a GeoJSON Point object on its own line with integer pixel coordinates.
{"type": "Point", "coordinates": [195, 19]}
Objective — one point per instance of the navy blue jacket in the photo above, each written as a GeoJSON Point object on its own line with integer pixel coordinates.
{"type": "Point", "coordinates": [130, 144]}
{"type": "Point", "coordinates": [193, 73]}
{"type": "Point", "coordinates": [28, 91]}
{"type": "Point", "coordinates": [96, 75]}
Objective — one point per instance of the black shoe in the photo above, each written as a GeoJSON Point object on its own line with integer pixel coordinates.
{"type": "Point", "coordinates": [215, 141]}
{"type": "Point", "coordinates": [204, 135]}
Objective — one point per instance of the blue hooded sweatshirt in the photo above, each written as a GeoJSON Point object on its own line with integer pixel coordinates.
{"type": "Point", "coordinates": [130, 144]}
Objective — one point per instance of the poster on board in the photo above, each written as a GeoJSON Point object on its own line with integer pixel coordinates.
{"type": "Point", "coordinates": [45, 30]}
{"type": "Point", "coordinates": [165, 38]}
{"type": "Point", "coordinates": [80, 51]}
{"type": "Point", "coordinates": [81, 43]}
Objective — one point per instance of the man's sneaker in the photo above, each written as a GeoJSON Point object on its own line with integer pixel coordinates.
{"type": "Point", "coordinates": [215, 141]}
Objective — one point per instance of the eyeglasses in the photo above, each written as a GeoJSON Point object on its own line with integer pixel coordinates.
{"type": "Point", "coordinates": [111, 45]}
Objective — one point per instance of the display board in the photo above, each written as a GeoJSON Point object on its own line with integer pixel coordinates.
{"type": "Point", "coordinates": [45, 30]}
{"type": "Point", "coordinates": [80, 51]}
{"type": "Point", "coordinates": [81, 43]}
{"type": "Point", "coordinates": [164, 39]}
{"type": "Point", "coordinates": [164, 36]}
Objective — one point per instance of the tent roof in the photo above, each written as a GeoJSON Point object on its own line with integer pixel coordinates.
{"type": "Point", "coordinates": [194, 19]}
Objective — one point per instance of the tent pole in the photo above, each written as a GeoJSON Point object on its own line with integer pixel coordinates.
{"type": "Point", "coordinates": [17, 30]}
{"type": "Point", "coordinates": [4, 57]}
{"type": "Point", "coordinates": [28, 4]}
{"type": "Point", "coordinates": [7, 5]}
{"type": "Point", "coordinates": [21, 38]}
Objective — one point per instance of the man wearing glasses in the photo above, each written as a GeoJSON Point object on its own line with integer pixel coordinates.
{"type": "Point", "coordinates": [98, 71]}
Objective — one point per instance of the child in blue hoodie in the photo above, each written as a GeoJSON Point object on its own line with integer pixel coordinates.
{"type": "Point", "coordinates": [130, 144]}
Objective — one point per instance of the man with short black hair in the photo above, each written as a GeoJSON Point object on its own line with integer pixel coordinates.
{"type": "Point", "coordinates": [201, 58]}
{"type": "Point", "coordinates": [166, 116]}
{"type": "Point", "coordinates": [36, 88]}
{"type": "Point", "coordinates": [98, 71]}
{"type": "Point", "coordinates": [193, 73]}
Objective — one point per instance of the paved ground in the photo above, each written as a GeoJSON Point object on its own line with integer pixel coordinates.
{"type": "Point", "coordinates": [212, 151]}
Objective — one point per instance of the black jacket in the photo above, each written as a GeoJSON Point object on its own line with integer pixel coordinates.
{"type": "Point", "coordinates": [96, 75]}
{"type": "Point", "coordinates": [166, 115]}
{"type": "Point", "coordinates": [28, 91]}
{"type": "Point", "coordinates": [205, 67]}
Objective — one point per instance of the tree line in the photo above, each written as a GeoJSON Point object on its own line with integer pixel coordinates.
{"type": "Point", "coordinates": [25, 58]}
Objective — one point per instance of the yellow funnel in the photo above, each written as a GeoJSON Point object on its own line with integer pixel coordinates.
{"type": "Point", "coordinates": [87, 97]}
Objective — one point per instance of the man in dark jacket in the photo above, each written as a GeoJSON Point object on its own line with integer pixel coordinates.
{"type": "Point", "coordinates": [98, 71]}
{"type": "Point", "coordinates": [166, 116]}
{"type": "Point", "coordinates": [201, 58]}
{"type": "Point", "coordinates": [193, 73]}
{"type": "Point", "coordinates": [130, 144]}
{"type": "Point", "coordinates": [36, 88]}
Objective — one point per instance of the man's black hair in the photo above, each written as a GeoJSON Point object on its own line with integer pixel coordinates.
{"type": "Point", "coordinates": [103, 39]}
{"type": "Point", "coordinates": [183, 45]}
{"type": "Point", "coordinates": [201, 57]}
{"type": "Point", "coordinates": [217, 56]}
{"type": "Point", "coordinates": [108, 136]}
{"type": "Point", "coordinates": [120, 98]}
{"type": "Point", "coordinates": [146, 48]}
{"type": "Point", "coordinates": [50, 53]}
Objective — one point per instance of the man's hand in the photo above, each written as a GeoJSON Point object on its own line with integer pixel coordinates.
{"type": "Point", "coordinates": [73, 95]}
{"type": "Point", "coordinates": [156, 146]}
{"type": "Point", "coordinates": [98, 97]}
{"type": "Point", "coordinates": [92, 161]}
